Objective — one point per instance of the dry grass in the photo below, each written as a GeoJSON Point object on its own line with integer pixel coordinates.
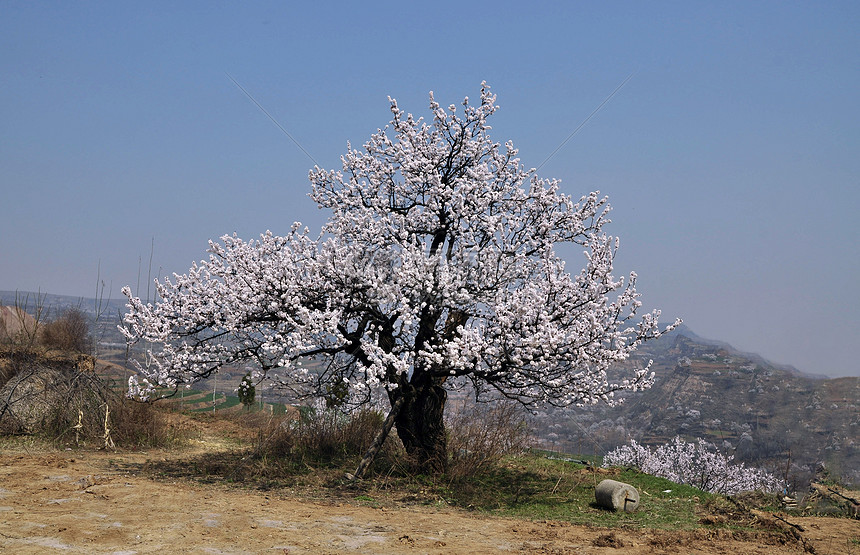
{"type": "Point", "coordinates": [327, 438]}
{"type": "Point", "coordinates": [480, 435]}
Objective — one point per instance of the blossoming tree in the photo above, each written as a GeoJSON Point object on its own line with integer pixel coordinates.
{"type": "Point", "coordinates": [698, 464]}
{"type": "Point", "coordinates": [436, 266]}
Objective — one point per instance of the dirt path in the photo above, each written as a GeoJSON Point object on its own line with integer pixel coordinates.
{"type": "Point", "coordinates": [78, 502]}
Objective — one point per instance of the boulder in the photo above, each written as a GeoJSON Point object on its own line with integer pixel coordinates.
{"type": "Point", "coordinates": [45, 388]}
{"type": "Point", "coordinates": [29, 398]}
{"type": "Point", "coordinates": [616, 496]}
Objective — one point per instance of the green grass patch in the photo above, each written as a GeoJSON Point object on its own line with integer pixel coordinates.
{"type": "Point", "coordinates": [532, 486]}
{"type": "Point", "coordinates": [367, 500]}
{"type": "Point", "coordinates": [230, 401]}
{"type": "Point", "coordinates": [527, 486]}
{"type": "Point", "coordinates": [222, 402]}
{"type": "Point", "coordinates": [205, 404]}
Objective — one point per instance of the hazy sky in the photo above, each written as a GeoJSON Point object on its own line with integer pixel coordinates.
{"type": "Point", "coordinates": [731, 157]}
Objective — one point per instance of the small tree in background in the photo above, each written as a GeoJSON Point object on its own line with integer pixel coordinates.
{"type": "Point", "coordinates": [437, 266]}
{"type": "Point", "coordinates": [247, 392]}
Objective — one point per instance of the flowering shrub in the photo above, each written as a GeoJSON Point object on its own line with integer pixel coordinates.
{"type": "Point", "coordinates": [697, 464]}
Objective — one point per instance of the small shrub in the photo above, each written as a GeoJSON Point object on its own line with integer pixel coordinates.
{"type": "Point", "coordinates": [69, 332]}
{"type": "Point", "coordinates": [480, 435]}
{"type": "Point", "coordinates": [327, 438]}
{"type": "Point", "coordinates": [247, 391]}
{"type": "Point", "coordinates": [96, 416]}
{"type": "Point", "coordinates": [136, 425]}
{"type": "Point", "coordinates": [11, 362]}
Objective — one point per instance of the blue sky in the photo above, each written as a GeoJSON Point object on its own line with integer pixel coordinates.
{"type": "Point", "coordinates": [730, 157]}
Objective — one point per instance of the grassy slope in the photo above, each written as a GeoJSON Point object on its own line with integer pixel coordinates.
{"type": "Point", "coordinates": [538, 488]}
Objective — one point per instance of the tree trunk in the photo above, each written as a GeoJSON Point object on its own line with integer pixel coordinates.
{"type": "Point", "coordinates": [377, 441]}
{"type": "Point", "coordinates": [420, 424]}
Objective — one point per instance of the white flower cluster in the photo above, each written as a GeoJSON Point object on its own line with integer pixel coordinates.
{"type": "Point", "coordinates": [698, 464]}
{"type": "Point", "coordinates": [437, 260]}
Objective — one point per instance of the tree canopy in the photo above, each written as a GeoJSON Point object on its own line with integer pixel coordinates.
{"type": "Point", "coordinates": [437, 265]}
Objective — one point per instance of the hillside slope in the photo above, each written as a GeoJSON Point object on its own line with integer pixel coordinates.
{"type": "Point", "coordinates": [765, 414]}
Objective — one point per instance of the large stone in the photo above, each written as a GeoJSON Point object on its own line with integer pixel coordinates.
{"type": "Point", "coordinates": [28, 399]}
{"type": "Point", "coordinates": [617, 496]}
{"type": "Point", "coordinates": [46, 388]}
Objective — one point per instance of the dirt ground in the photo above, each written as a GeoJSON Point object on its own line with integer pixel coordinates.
{"type": "Point", "coordinates": [96, 502]}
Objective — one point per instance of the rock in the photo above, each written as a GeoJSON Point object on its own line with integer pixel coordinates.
{"type": "Point", "coordinates": [617, 496]}
{"type": "Point", "coordinates": [26, 401]}
{"type": "Point", "coordinates": [44, 391]}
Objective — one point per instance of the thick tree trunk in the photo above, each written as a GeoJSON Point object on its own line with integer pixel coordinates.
{"type": "Point", "coordinates": [420, 424]}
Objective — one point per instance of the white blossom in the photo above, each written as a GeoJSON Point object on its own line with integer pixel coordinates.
{"type": "Point", "coordinates": [698, 464]}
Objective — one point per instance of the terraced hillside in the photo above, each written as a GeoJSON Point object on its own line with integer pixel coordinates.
{"type": "Point", "coordinates": [764, 414]}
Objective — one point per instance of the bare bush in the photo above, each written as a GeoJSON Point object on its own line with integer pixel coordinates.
{"type": "Point", "coordinates": [10, 364]}
{"type": "Point", "coordinates": [98, 417]}
{"type": "Point", "coordinates": [480, 435]}
{"type": "Point", "coordinates": [68, 332]}
{"type": "Point", "coordinates": [328, 437]}
{"type": "Point", "coordinates": [136, 424]}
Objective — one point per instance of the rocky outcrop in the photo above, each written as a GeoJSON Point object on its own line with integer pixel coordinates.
{"type": "Point", "coordinates": [14, 322]}
{"type": "Point", "coordinates": [29, 398]}
{"type": "Point", "coordinates": [41, 390]}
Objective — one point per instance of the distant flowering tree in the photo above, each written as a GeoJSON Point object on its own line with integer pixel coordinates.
{"type": "Point", "coordinates": [437, 266]}
{"type": "Point", "coordinates": [698, 464]}
{"type": "Point", "coordinates": [246, 390]}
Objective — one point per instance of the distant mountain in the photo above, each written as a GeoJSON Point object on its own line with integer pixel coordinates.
{"type": "Point", "coordinates": [765, 414]}
{"type": "Point", "coordinates": [54, 303]}
{"type": "Point", "coordinates": [662, 344]}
